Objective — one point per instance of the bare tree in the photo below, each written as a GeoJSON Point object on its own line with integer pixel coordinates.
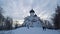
{"type": "Point", "coordinates": [1, 17]}
{"type": "Point", "coordinates": [8, 23]}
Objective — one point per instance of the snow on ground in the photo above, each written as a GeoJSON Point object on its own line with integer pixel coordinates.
{"type": "Point", "coordinates": [35, 30]}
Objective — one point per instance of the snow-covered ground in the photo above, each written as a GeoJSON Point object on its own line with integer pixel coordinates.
{"type": "Point", "coordinates": [34, 30]}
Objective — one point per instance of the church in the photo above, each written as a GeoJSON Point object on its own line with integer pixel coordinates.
{"type": "Point", "coordinates": [33, 20]}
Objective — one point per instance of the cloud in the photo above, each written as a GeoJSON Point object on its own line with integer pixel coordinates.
{"type": "Point", "coordinates": [20, 8]}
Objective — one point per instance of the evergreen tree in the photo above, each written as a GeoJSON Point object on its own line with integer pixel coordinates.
{"type": "Point", "coordinates": [57, 17]}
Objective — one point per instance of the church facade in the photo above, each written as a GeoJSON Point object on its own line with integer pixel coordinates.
{"type": "Point", "coordinates": [32, 21]}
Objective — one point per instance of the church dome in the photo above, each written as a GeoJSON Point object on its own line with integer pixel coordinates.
{"type": "Point", "coordinates": [32, 11]}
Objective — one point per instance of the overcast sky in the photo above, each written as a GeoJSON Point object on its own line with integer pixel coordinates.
{"type": "Point", "coordinates": [18, 9]}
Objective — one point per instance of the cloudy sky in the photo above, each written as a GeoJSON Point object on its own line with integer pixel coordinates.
{"type": "Point", "coordinates": [18, 9]}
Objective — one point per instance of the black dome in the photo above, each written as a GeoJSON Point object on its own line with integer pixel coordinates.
{"type": "Point", "coordinates": [35, 15]}
{"type": "Point", "coordinates": [32, 11]}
